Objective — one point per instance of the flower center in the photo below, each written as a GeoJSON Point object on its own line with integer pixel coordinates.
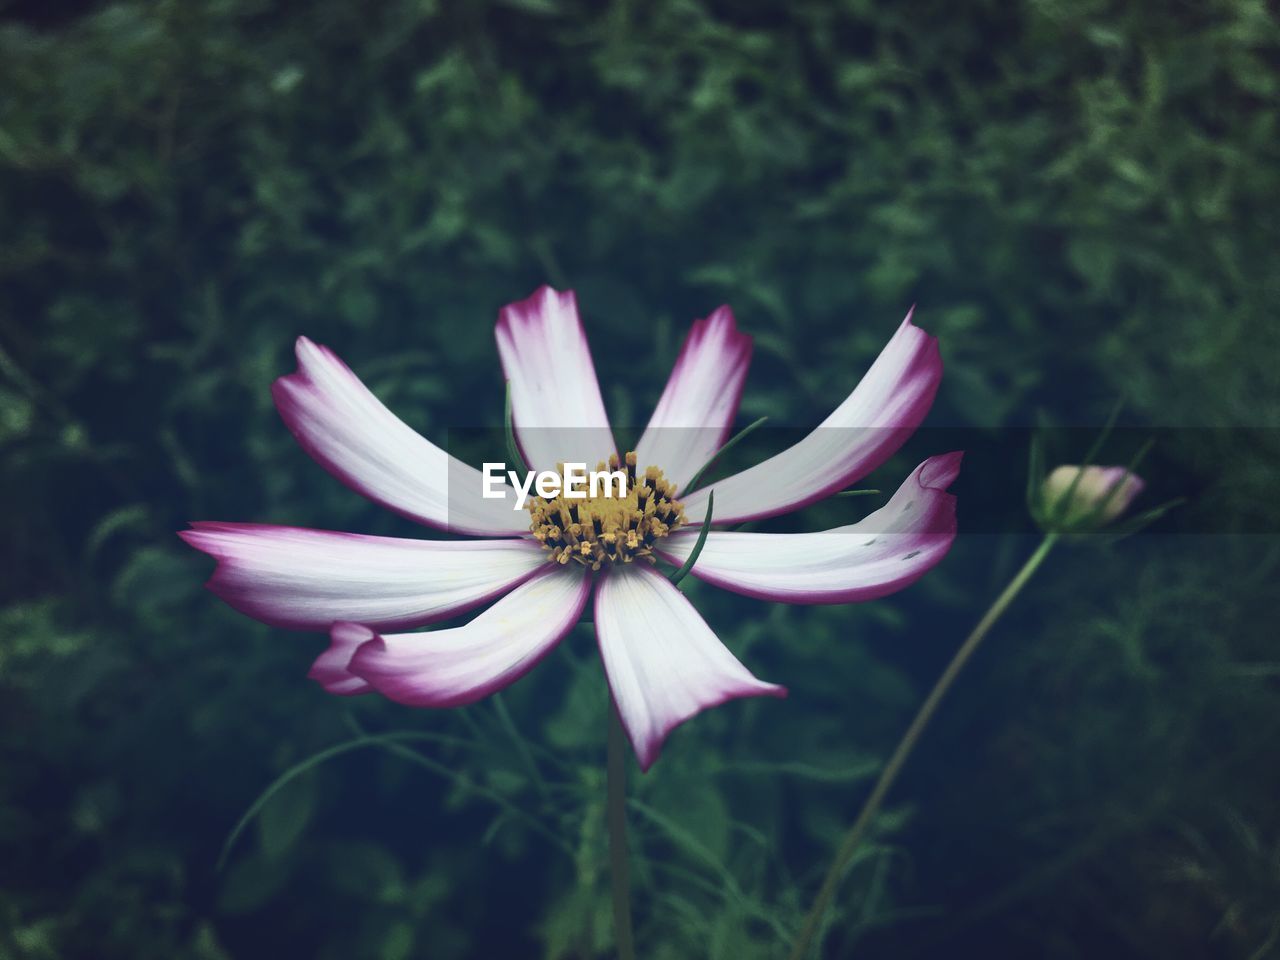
{"type": "Point", "coordinates": [604, 529]}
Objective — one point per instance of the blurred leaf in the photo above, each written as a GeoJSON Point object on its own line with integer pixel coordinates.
{"type": "Point", "coordinates": [283, 821]}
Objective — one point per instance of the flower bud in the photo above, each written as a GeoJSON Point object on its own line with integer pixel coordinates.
{"type": "Point", "coordinates": [1076, 499]}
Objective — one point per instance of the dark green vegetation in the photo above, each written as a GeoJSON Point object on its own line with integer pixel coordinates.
{"type": "Point", "coordinates": [1081, 196]}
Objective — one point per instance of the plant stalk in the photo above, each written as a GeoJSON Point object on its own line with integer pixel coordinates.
{"type": "Point", "coordinates": [849, 845]}
{"type": "Point", "coordinates": [619, 869]}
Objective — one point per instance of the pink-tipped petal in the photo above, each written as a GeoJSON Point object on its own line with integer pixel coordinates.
{"type": "Point", "coordinates": [303, 579]}
{"type": "Point", "coordinates": [330, 669]}
{"type": "Point", "coordinates": [697, 408]}
{"type": "Point", "coordinates": [864, 431]}
{"type": "Point", "coordinates": [350, 433]}
{"type": "Point", "coordinates": [556, 407]}
{"type": "Point", "coordinates": [449, 668]}
{"type": "Point", "coordinates": [886, 551]}
{"type": "Point", "coordinates": [663, 663]}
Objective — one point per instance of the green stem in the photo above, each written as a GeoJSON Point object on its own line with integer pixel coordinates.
{"type": "Point", "coordinates": [849, 845]}
{"type": "Point", "coordinates": [619, 869]}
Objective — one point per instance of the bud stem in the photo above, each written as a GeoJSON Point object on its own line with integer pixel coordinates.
{"type": "Point", "coordinates": [849, 845]}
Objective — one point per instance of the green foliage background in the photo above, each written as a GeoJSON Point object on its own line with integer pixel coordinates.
{"type": "Point", "coordinates": [1082, 198]}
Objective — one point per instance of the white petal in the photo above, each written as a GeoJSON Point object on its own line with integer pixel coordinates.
{"type": "Point", "coordinates": [555, 400]}
{"type": "Point", "coordinates": [882, 553]}
{"type": "Point", "coordinates": [697, 408]}
{"type": "Point", "coordinates": [449, 668]}
{"type": "Point", "coordinates": [355, 437]}
{"type": "Point", "coordinates": [306, 579]}
{"type": "Point", "coordinates": [864, 431]}
{"type": "Point", "coordinates": [663, 662]}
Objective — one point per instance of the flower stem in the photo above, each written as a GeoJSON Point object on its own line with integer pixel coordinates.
{"type": "Point", "coordinates": [849, 845]}
{"type": "Point", "coordinates": [619, 869]}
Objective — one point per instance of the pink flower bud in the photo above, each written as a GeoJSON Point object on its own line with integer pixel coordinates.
{"type": "Point", "coordinates": [1100, 495]}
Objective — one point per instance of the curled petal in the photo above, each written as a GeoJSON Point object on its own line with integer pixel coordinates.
{"type": "Point", "coordinates": [331, 668]}
{"type": "Point", "coordinates": [350, 433]}
{"type": "Point", "coordinates": [697, 407]}
{"type": "Point", "coordinates": [303, 579]}
{"type": "Point", "coordinates": [888, 550]}
{"type": "Point", "coordinates": [864, 431]}
{"type": "Point", "coordinates": [662, 661]}
{"type": "Point", "coordinates": [556, 406]}
{"type": "Point", "coordinates": [449, 668]}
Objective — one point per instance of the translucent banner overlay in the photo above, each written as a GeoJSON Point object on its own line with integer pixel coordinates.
{"type": "Point", "coordinates": [801, 479]}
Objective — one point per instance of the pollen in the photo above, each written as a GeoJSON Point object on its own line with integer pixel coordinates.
{"type": "Point", "coordinates": [602, 530]}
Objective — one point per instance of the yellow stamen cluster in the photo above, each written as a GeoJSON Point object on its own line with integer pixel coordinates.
{"type": "Point", "coordinates": [596, 531]}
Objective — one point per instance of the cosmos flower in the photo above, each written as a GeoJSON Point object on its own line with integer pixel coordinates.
{"type": "Point", "coordinates": [537, 568]}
